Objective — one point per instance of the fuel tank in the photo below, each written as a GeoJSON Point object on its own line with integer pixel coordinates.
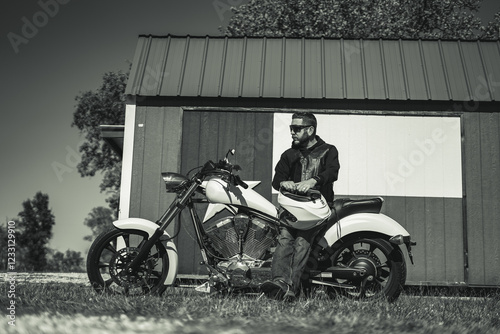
{"type": "Point", "coordinates": [220, 191]}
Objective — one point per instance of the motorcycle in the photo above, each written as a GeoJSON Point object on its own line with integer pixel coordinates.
{"type": "Point", "coordinates": [356, 252]}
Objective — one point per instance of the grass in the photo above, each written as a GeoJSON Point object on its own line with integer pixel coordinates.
{"type": "Point", "coordinates": [76, 308]}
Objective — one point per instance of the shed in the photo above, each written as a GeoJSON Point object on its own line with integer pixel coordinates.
{"type": "Point", "coordinates": [415, 121]}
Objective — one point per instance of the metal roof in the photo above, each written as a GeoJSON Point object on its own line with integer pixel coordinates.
{"type": "Point", "coordinates": [316, 68]}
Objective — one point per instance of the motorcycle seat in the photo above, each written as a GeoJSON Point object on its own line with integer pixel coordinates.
{"type": "Point", "coordinates": [344, 207]}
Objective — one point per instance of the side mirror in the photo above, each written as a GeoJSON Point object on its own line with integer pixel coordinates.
{"type": "Point", "coordinates": [232, 151]}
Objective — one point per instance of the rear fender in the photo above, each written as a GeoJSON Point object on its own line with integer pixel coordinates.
{"type": "Point", "coordinates": [363, 222]}
{"type": "Point", "coordinates": [149, 227]}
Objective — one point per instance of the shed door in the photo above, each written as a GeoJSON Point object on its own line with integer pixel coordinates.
{"type": "Point", "coordinates": [208, 136]}
{"type": "Point", "coordinates": [415, 164]}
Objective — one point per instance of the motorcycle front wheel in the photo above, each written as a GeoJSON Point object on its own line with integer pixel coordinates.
{"type": "Point", "coordinates": [109, 256]}
{"type": "Point", "coordinates": [384, 265]}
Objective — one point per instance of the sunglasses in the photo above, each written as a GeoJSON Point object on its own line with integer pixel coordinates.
{"type": "Point", "coordinates": [298, 128]}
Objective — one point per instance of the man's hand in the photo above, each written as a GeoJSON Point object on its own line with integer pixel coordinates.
{"type": "Point", "coordinates": [301, 187]}
{"type": "Point", "coordinates": [288, 185]}
{"type": "Point", "coordinates": [304, 186]}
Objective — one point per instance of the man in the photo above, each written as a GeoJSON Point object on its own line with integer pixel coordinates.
{"type": "Point", "coordinates": [309, 164]}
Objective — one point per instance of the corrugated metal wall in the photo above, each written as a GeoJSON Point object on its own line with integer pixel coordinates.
{"type": "Point", "coordinates": [482, 175]}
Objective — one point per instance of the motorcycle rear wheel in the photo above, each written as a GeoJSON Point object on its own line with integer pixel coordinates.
{"type": "Point", "coordinates": [108, 258]}
{"type": "Point", "coordinates": [382, 260]}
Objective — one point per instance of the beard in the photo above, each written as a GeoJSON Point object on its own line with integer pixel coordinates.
{"type": "Point", "coordinates": [301, 142]}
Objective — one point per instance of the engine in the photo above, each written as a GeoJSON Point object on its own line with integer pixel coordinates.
{"type": "Point", "coordinates": [241, 235]}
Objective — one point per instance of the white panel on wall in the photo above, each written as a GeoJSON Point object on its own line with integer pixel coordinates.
{"type": "Point", "coordinates": [388, 155]}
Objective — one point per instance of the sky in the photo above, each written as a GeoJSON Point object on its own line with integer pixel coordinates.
{"type": "Point", "coordinates": [73, 44]}
{"type": "Point", "coordinates": [53, 50]}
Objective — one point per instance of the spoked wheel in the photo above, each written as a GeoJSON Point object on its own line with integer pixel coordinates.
{"type": "Point", "coordinates": [383, 263]}
{"type": "Point", "coordinates": [109, 256]}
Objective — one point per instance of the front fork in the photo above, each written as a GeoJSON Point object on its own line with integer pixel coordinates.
{"type": "Point", "coordinates": [175, 209]}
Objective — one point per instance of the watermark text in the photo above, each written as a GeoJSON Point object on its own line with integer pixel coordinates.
{"type": "Point", "coordinates": [10, 277]}
{"type": "Point", "coordinates": [31, 26]}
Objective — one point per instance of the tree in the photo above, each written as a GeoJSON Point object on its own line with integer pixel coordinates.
{"type": "Point", "coordinates": [98, 220]}
{"type": "Point", "coordinates": [492, 30]}
{"type": "Point", "coordinates": [3, 246]}
{"type": "Point", "coordinates": [71, 261]}
{"type": "Point", "coordinates": [106, 105]}
{"type": "Point", "coordinates": [33, 232]}
{"type": "Point", "coordinates": [446, 19]}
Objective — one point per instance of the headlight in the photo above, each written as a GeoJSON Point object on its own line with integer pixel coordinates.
{"type": "Point", "coordinates": [174, 182]}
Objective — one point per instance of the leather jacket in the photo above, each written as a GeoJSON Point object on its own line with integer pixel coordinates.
{"type": "Point", "coordinates": [299, 164]}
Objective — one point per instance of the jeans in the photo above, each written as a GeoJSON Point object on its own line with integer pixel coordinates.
{"type": "Point", "coordinates": [291, 255]}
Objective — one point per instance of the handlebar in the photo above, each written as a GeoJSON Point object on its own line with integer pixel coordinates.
{"type": "Point", "coordinates": [223, 167]}
{"type": "Point", "coordinates": [240, 182]}
{"type": "Point", "coordinates": [210, 167]}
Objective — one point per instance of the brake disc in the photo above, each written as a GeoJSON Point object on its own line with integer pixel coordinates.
{"type": "Point", "coordinates": [118, 269]}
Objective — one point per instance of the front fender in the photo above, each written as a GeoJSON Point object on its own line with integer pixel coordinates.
{"type": "Point", "coordinates": [363, 222]}
{"type": "Point", "coordinates": [149, 227]}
